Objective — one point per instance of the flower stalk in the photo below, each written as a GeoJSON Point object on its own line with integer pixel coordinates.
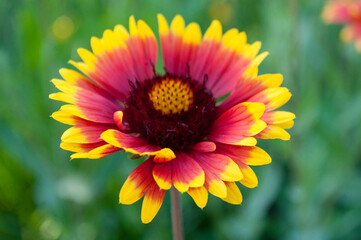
{"type": "Point", "coordinates": [176, 215]}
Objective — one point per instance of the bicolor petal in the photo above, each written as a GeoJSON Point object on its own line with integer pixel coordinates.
{"type": "Point", "coordinates": [244, 155]}
{"type": "Point", "coordinates": [137, 145]}
{"type": "Point", "coordinates": [84, 133]}
{"type": "Point", "coordinates": [273, 98]}
{"type": "Point", "coordinates": [162, 174]}
{"type": "Point", "coordinates": [137, 183]}
{"type": "Point", "coordinates": [95, 153]}
{"type": "Point", "coordinates": [186, 172]}
{"type": "Point", "coordinates": [217, 168]}
{"type": "Point", "coordinates": [182, 172]}
{"type": "Point", "coordinates": [152, 202]}
{"type": "Point", "coordinates": [238, 123]}
{"type": "Point", "coordinates": [180, 44]}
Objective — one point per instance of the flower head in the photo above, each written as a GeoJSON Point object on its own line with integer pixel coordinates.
{"type": "Point", "coordinates": [347, 12]}
{"type": "Point", "coordinates": [192, 141]}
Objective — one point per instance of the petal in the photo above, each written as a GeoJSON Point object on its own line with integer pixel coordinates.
{"type": "Point", "coordinates": [177, 25]}
{"type": "Point", "coordinates": [63, 97]}
{"type": "Point", "coordinates": [188, 50]}
{"type": "Point", "coordinates": [70, 76]}
{"type": "Point", "coordinates": [226, 70]}
{"type": "Point", "coordinates": [162, 173]}
{"type": "Point", "coordinates": [205, 146]}
{"type": "Point", "coordinates": [234, 196]}
{"type": "Point", "coordinates": [84, 133]}
{"type": "Point", "coordinates": [183, 172]}
{"type": "Point", "coordinates": [118, 119]}
{"type": "Point", "coordinates": [162, 24]}
{"type": "Point", "coordinates": [179, 45]}
{"type": "Point", "coordinates": [244, 155]}
{"type": "Point", "coordinates": [238, 123]}
{"type": "Point", "coordinates": [81, 147]}
{"type": "Point", "coordinates": [277, 121]}
{"type": "Point", "coordinates": [90, 101]}
{"type": "Point", "coordinates": [220, 62]}
{"type": "Point", "coordinates": [152, 202]}
{"type": "Point", "coordinates": [274, 132]}
{"type": "Point", "coordinates": [199, 195]}
{"type": "Point", "coordinates": [65, 117]}
{"type": "Point", "coordinates": [164, 155]}
{"type": "Point", "coordinates": [143, 49]}
{"type": "Point", "coordinates": [285, 125]}
{"type": "Point", "coordinates": [217, 168]}
{"type": "Point", "coordinates": [112, 72]}
{"type": "Point", "coordinates": [216, 187]}
{"type": "Point", "coordinates": [248, 86]}
{"type": "Point", "coordinates": [137, 145]}
{"type": "Point", "coordinates": [271, 80]}
{"type": "Point", "coordinates": [73, 110]}
{"type": "Point", "coordinates": [214, 32]}
{"type": "Point", "coordinates": [119, 57]}
{"type": "Point", "coordinates": [202, 62]}
{"type": "Point", "coordinates": [229, 35]}
{"type": "Point", "coordinates": [278, 117]}
{"type": "Point", "coordinates": [192, 34]}
{"type": "Point", "coordinates": [88, 57]}
{"type": "Point", "coordinates": [258, 60]}
{"type": "Point", "coordinates": [84, 138]}
{"type": "Point", "coordinates": [272, 97]}
{"type": "Point", "coordinates": [96, 153]}
{"type": "Point", "coordinates": [186, 173]}
{"type": "Point", "coordinates": [219, 165]}
{"type": "Point", "coordinates": [137, 183]}
{"type": "Point", "coordinates": [249, 177]}
{"type": "Point", "coordinates": [251, 50]}
{"type": "Point", "coordinates": [76, 79]}
{"type": "Point", "coordinates": [235, 42]}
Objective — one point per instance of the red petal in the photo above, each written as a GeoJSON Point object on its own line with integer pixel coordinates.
{"type": "Point", "coordinates": [206, 146]}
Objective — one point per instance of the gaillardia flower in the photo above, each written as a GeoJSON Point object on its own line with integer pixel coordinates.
{"type": "Point", "coordinates": [347, 12]}
{"type": "Point", "coordinates": [192, 140]}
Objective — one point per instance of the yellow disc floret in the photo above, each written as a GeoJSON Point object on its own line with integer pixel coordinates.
{"type": "Point", "coordinates": [171, 96]}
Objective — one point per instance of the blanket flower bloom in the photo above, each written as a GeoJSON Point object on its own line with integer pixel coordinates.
{"type": "Point", "coordinates": [191, 141]}
{"type": "Point", "coordinates": [347, 12]}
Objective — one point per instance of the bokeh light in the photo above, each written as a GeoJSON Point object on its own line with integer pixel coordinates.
{"type": "Point", "coordinates": [63, 28]}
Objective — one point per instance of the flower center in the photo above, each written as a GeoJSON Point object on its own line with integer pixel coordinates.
{"type": "Point", "coordinates": [171, 96]}
{"type": "Point", "coordinates": [170, 111]}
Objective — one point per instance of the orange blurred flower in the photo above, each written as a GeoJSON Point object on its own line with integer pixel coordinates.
{"type": "Point", "coordinates": [345, 12]}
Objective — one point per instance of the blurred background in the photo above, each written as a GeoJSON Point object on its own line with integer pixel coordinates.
{"type": "Point", "coordinates": [312, 189]}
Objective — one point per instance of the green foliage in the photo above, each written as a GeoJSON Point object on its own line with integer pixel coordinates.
{"type": "Point", "coordinates": [310, 191]}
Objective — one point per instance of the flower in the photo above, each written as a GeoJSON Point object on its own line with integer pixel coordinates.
{"type": "Point", "coordinates": [346, 12]}
{"type": "Point", "coordinates": [193, 140]}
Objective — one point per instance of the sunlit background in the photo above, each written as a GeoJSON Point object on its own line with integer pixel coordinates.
{"type": "Point", "coordinates": [312, 189]}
